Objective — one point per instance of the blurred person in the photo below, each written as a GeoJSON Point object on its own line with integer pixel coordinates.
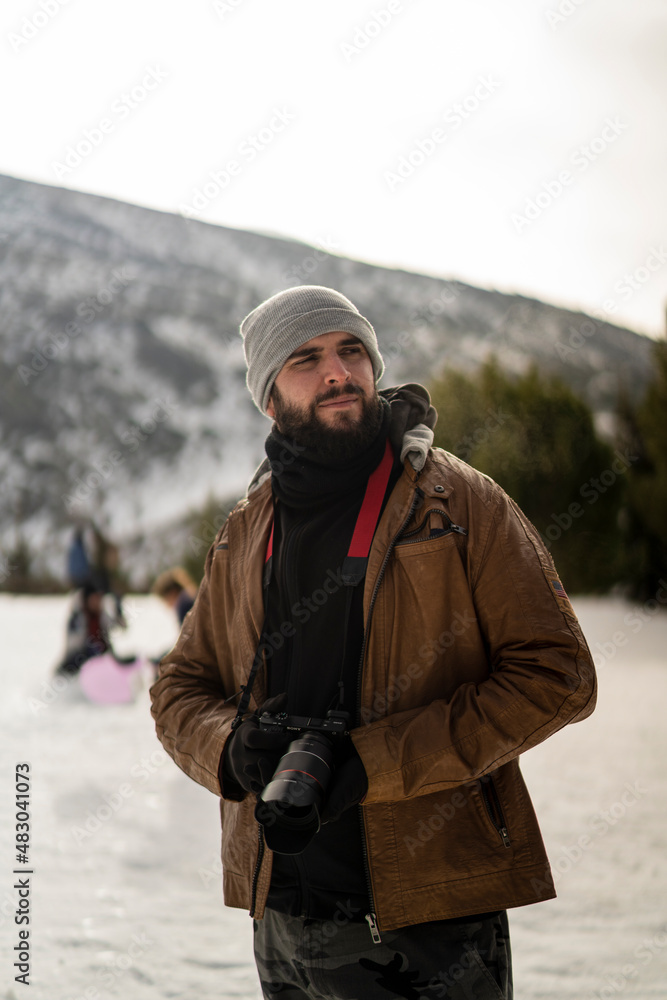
{"type": "Point", "coordinates": [104, 570]}
{"type": "Point", "coordinates": [79, 569]}
{"type": "Point", "coordinates": [372, 580]}
{"type": "Point", "coordinates": [88, 628]}
{"type": "Point", "coordinates": [177, 589]}
{"type": "Point", "coordinates": [93, 560]}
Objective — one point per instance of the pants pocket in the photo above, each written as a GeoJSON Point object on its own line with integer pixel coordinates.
{"type": "Point", "coordinates": [487, 950]}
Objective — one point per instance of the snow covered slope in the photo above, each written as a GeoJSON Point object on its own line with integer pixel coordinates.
{"type": "Point", "coordinates": [122, 389]}
{"type": "Point", "coordinates": [126, 892]}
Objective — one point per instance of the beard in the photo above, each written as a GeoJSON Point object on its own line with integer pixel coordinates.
{"type": "Point", "coordinates": [333, 443]}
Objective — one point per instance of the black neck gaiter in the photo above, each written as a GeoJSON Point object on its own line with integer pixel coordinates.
{"type": "Point", "coordinates": [301, 479]}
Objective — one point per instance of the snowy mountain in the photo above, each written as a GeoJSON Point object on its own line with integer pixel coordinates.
{"type": "Point", "coordinates": [122, 380]}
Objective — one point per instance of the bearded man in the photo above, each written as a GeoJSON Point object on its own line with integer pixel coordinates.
{"type": "Point", "coordinates": [387, 612]}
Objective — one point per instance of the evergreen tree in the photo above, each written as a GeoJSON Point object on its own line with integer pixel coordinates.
{"type": "Point", "coordinates": [535, 438]}
{"type": "Point", "coordinates": [644, 429]}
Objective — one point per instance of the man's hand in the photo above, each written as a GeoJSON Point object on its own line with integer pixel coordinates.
{"type": "Point", "coordinates": [348, 787]}
{"type": "Point", "coordinates": [251, 754]}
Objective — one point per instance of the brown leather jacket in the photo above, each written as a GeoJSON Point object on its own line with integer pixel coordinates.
{"type": "Point", "coordinates": [472, 655]}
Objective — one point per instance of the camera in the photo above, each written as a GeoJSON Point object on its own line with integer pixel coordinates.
{"type": "Point", "coordinates": [289, 806]}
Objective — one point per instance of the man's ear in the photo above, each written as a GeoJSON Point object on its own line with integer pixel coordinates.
{"type": "Point", "coordinates": [270, 409]}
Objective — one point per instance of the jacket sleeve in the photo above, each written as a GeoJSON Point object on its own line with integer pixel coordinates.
{"type": "Point", "coordinates": [188, 698]}
{"type": "Point", "coordinates": [541, 673]}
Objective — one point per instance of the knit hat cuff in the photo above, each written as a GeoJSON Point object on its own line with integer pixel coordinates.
{"type": "Point", "coordinates": [325, 320]}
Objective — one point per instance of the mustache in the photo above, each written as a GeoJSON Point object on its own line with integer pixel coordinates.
{"type": "Point", "coordinates": [334, 393]}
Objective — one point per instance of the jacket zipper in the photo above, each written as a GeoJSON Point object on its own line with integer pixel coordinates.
{"type": "Point", "coordinates": [453, 529]}
{"type": "Point", "coordinates": [408, 539]}
{"type": "Point", "coordinates": [255, 874]}
{"type": "Point", "coordinates": [494, 808]}
{"type": "Point", "coordinates": [371, 917]}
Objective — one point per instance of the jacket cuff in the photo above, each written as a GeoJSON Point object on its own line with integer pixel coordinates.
{"type": "Point", "coordinates": [229, 789]}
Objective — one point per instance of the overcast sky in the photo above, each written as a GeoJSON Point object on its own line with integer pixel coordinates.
{"type": "Point", "coordinates": [519, 145]}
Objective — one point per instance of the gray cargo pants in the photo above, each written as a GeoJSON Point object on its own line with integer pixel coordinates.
{"type": "Point", "coordinates": [337, 960]}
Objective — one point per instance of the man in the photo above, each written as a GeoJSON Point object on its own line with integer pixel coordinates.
{"type": "Point", "coordinates": [370, 574]}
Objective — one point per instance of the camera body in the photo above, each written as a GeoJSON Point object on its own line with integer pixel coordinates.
{"type": "Point", "coordinates": [334, 723]}
{"type": "Point", "coordinates": [288, 807]}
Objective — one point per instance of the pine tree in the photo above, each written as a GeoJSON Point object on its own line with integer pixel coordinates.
{"type": "Point", "coordinates": [645, 427]}
{"type": "Point", "coordinates": [534, 437]}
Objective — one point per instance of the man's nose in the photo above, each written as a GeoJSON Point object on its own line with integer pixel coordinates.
{"type": "Point", "coordinates": [336, 370]}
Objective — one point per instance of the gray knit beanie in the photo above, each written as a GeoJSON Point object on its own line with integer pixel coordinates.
{"type": "Point", "coordinates": [277, 327]}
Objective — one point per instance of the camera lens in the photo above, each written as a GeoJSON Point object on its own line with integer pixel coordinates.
{"type": "Point", "coordinates": [289, 805]}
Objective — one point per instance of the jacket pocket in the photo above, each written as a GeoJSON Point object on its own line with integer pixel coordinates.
{"type": "Point", "coordinates": [494, 809]}
{"type": "Point", "coordinates": [434, 523]}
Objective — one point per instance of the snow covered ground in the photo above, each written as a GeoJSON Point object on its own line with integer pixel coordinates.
{"type": "Point", "coordinates": [125, 896]}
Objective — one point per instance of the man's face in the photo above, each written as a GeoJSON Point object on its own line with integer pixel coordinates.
{"type": "Point", "coordinates": [324, 395]}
